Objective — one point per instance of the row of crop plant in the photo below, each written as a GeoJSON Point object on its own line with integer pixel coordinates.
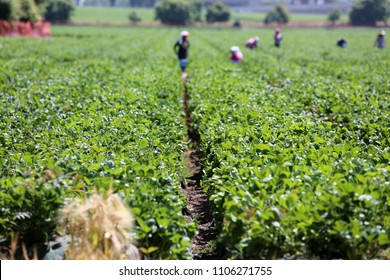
{"type": "Point", "coordinates": [84, 110]}
{"type": "Point", "coordinates": [296, 147]}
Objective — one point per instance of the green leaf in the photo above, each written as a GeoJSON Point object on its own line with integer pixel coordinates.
{"type": "Point", "coordinates": [145, 228]}
{"type": "Point", "coordinates": [163, 222]}
{"type": "Point", "coordinates": [383, 239]}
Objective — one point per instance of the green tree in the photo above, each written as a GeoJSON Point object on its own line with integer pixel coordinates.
{"type": "Point", "coordinates": [134, 18]}
{"type": "Point", "coordinates": [29, 11]}
{"type": "Point", "coordinates": [177, 11]}
{"type": "Point", "coordinates": [218, 12]}
{"type": "Point", "coordinates": [368, 12]}
{"type": "Point", "coordinates": [59, 10]}
{"type": "Point", "coordinates": [41, 6]}
{"type": "Point", "coordinates": [278, 14]}
{"type": "Point", "coordinates": [334, 15]}
{"type": "Point", "coordinates": [196, 10]}
{"type": "Point", "coordinates": [24, 10]}
{"type": "Point", "coordinates": [7, 10]}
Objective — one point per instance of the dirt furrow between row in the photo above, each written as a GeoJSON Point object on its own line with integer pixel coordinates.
{"type": "Point", "coordinates": [199, 207]}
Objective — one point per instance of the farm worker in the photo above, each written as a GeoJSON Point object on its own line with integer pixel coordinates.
{"type": "Point", "coordinates": [181, 49]}
{"type": "Point", "coordinates": [252, 42]}
{"type": "Point", "coordinates": [380, 40]}
{"type": "Point", "coordinates": [342, 43]}
{"type": "Point", "coordinates": [236, 54]}
{"type": "Point", "coordinates": [278, 37]}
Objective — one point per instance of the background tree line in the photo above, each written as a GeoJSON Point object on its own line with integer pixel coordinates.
{"type": "Point", "coordinates": [363, 12]}
{"type": "Point", "coordinates": [151, 3]}
{"type": "Point", "coordinates": [36, 10]}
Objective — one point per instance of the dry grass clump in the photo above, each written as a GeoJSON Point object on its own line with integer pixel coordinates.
{"type": "Point", "coordinates": [384, 254]}
{"type": "Point", "coordinates": [100, 228]}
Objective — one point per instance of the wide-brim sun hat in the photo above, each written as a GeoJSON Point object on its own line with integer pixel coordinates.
{"type": "Point", "coordinates": [235, 49]}
{"type": "Point", "coordinates": [184, 33]}
{"type": "Point", "coordinates": [382, 32]}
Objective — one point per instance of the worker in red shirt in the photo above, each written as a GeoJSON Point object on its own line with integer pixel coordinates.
{"type": "Point", "coordinates": [278, 37]}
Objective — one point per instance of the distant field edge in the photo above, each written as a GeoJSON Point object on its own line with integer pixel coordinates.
{"type": "Point", "coordinates": [254, 24]}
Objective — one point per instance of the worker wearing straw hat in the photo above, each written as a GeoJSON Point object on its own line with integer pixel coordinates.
{"type": "Point", "coordinates": [181, 49]}
{"type": "Point", "coordinates": [380, 40]}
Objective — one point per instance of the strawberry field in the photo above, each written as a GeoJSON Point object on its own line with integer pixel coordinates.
{"type": "Point", "coordinates": [294, 142]}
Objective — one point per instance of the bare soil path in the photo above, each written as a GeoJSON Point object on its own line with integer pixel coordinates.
{"type": "Point", "coordinates": [199, 207]}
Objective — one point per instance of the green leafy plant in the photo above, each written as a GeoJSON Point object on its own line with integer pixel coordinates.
{"type": "Point", "coordinates": [29, 208]}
